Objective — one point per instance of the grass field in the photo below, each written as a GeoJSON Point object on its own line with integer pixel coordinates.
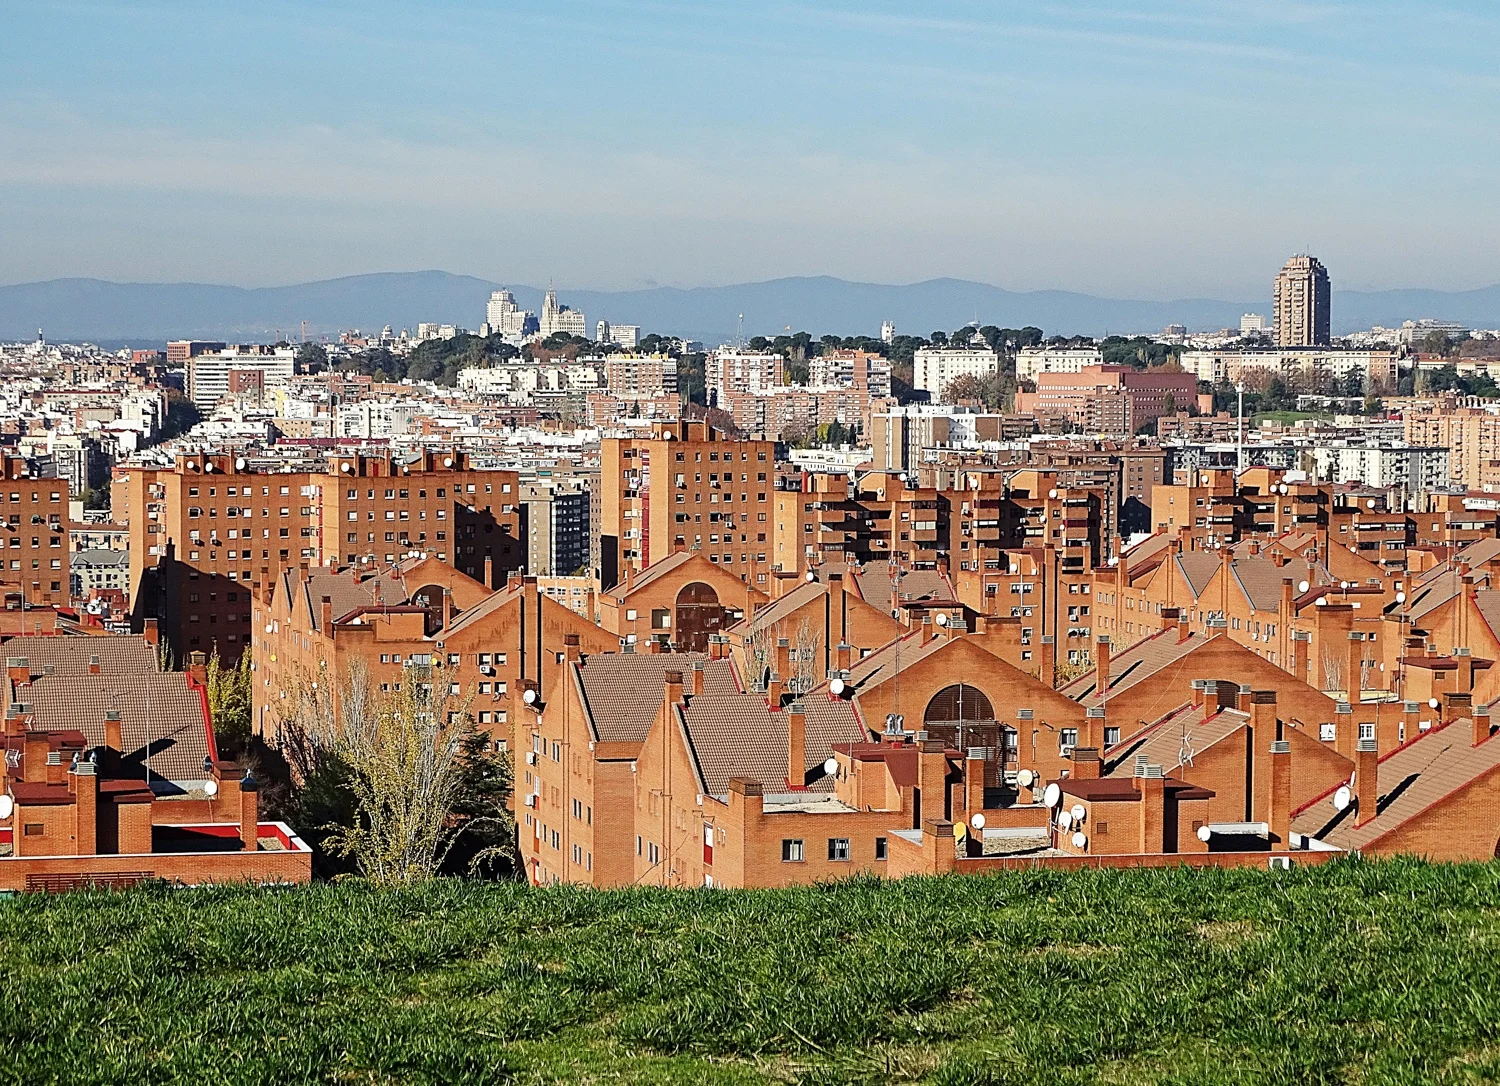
{"type": "Point", "coordinates": [1352, 972]}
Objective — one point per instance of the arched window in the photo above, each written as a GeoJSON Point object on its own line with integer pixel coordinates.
{"type": "Point", "coordinates": [958, 704]}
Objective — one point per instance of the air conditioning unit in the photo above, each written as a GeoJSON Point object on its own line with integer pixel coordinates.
{"type": "Point", "coordinates": [530, 799]}
{"type": "Point", "coordinates": [1067, 750]}
{"type": "Point", "coordinates": [531, 757]}
{"type": "Point", "coordinates": [1279, 863]}
{"type": "Point", "coordinates": [485, 669]}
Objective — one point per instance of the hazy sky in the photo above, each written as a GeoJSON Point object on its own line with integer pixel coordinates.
{"type": "Point", "coordinates": [1132, 148]}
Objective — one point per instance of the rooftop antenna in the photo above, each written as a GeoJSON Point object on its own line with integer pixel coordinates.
{"type": "Point", "coordinates": [740, 335]}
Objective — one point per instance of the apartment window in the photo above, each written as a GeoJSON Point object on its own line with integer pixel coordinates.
{"type": "Point", "coordinates": [880, 843]}
{"type": "Point", "coordinates": [838, 849]}
{"type": "Point", "coordinates": [791, 851]}
{"type": "Point", "coordinates": [1068, 737]}
{"type": "Point", "coordinates": [1111, 736]}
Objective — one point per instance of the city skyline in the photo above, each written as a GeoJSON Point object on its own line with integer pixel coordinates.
{"type": "Point", "coordinates": [869, 144]}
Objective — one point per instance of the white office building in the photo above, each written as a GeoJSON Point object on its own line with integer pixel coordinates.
{"type": "Point", "coordinates": [935, 368]}
{"type": "Point", "coordinates": [1032, 361]}
{"type": "Point", "coordinates": [215, 374]}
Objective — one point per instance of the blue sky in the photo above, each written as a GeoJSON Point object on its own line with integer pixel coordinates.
{"type": "Point", "coordinates": [1148, 149]}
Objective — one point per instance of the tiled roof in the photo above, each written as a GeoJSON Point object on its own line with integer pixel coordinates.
{"type": "Point", "coordinates": [1135, 664]}
{"type": "Point", "coordinates": [895, 656]}
{"type": "Point", "coordinates": [875, 587]}
{"type": "Point", "coordinates": [736, 735]}
{"type": "Point", "coordinates": [1488, 602]}
{"type": "Point", "coordinates": [481, 610]}
{"type": "Point", "coordinates": [1432, 595]}
{"type": "Point", "coordinates": [623, 691]}
{"type": "Point", "coordinates": [1175, 741]}
{"type": "Point", "coordinates": [1198, 568]}
{"type": "Point", "coordinates": [119, 654]}
{"type": "Point", "coordinates": [159, 710]}
{"type": "Point", "coordinates": [1481, 551]}
{"type": "Point", "coordinates": [1409, 780]}
{"type": "Point", "coordinates": [346, 590]}
{"type": "Point", "coordinates": [777, 610]}
{"type": "Point", "coordinates": [652, 572]}
{"type": "Point", "coordinates": [1260, 579]}
{"type": "Point", "coordinates": [1150, 547]}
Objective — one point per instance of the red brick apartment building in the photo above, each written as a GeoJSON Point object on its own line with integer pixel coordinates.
{"type": "Point", "coordinates": [207, 529]}
{"type": "Point", "coordinates": [112, 776]}
{"type": "Point", "coordinates": [34, 566]}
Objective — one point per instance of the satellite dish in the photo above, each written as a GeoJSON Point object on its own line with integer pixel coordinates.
{"type": "Point", "coordinates": [1400, 597]}
{"type": "Point", "coordinates": [1078, 812]}
{"type": "Point", "coordinates": [942, 620]}
{"type": "Point", "coordinates": [529, 697]}
{"type": "Point", "coordinates": [192, 465]}
{"type": "Point", "coordinates": [1322, 601]}
{"type": "Point", "coordinates": [1079, 840]}
{"type": "Point", "coordinates": [1052, 796]}
{"type": "Point", "coordinates": [239, 463]}
{"type": "Point", "coordinates": [1065, 820]}
{"type": "Point", "coordinates": [1432, 703]}
{"type": "Point", "coordinates": [1025, 777]}
{"type": "Point", "coordinates": [7, 805]}
{"type": "Point", "coordinates": [831, 767]}
{"type": "Point", "coordinates": [208, 465]}
{"type": "Point", "coordinates": [836, 687]}
{"type": "Point", "coordinates": [1204, 833]}
{"type": "Point", "coordinates": [1342, 797]}
{"type": "Point", "coordinates": [1051, 493]}
{"type": "Point", "coordinates": [1370, 504]}
{"type": "Point", "coordinates": [345, 467]}
{"type": "Point", "coordinates": [811, 576]}
{"type": "Point", "coordinates": [447, 461]}
{"type": "Point", "coordinates": [1302, 586]}
{"type": "Point", "coordinates": [1343, 584]}
{"type": "Point", "coordinates": [977, 821]}
{"type": "Point", "coordinates": [211, 789]}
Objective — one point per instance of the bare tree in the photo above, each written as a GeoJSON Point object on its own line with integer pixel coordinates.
{"type": "Point", "coordinates": [759, 644]}
{"type": "Point", "coordinates": [414, 764]}
{"type": "Point", "coordinates": [806, 643]}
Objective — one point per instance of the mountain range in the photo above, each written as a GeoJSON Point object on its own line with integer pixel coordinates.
{"type": "Point", "coordinates": [149, 313]}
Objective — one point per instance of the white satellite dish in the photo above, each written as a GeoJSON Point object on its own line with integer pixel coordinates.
{"type": "Point", "coordinates": [836, 687]}
{"type": "Point", "coordinates": [529, 697]}
{"type": "Point", "coordinates": [1342, 797]}
{"type": "Point", "coordinates": [1052, 796]}
{"type": "Point", "coordinates": [1065, 821]}
{"type": "Point", "coordinates": [977, 822]}
{"type": "Point", "coordinates": [239, 463]}
{"type": "Point", "coordinates": [1204, 833]}
{"type": "Point", "coordinates": [942, 620]}
{"type": "Point", "coordinates": [447, 461]}
{"type": "Point", "coordinates": [1079, 840]}
{"type": "Point", "coordinates": [1051, 493]}
{"type": "Point", "coordinates": [1432, 703]}
{"type": "Point", "coordinates": [1343, 584]}
{"type": "Point", "coordinates": [1400, 597]}
{"type": "Point", "coordinates": [1370, 503]}
{"type": "Point", "coordinates": [1322, 601]}
{"type": "Point", "coordinates": [208, 465]}
{"type": "Point", "coordinates": [831, 766]}
{"type": "Point", "coordinates": [345, 467]}
{"type": "Point", "coordinates": [1302, 586]}
{"type": "Point", "coordinates": [1025, 777]}
{"type": "Point", "coordinates": [211, 789]}
{"type": "Point", "coordinates": [1078, 812]}
{"type": "Point", "coordinates": [7, 805]}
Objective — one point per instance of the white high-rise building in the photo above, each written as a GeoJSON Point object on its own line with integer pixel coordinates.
{"type": "Point", "coordinates": [935, 368]}
{"type": "Point", "coordinates": [559, 318]}
{"type": "Point", "coordinates": [505, 318]}
{"type": "Point", "coordinates": [1252, 322]}
{"type": "Point", "coordinates": [621, 335]}
{"type": "Point", "coordinates": [733, 370]}
{"type": "Point", "coordinates": [887, 331]}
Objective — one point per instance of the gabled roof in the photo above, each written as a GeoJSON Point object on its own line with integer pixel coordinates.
{"type": "Point", "coordinates": [779, 609]}
{"type": "Point", "coordinates": [1260, 579]}
{"type": "Point", "coordinates": [481, 610]}
{"type": "Point", "coordinates": [119, 654]}
{"type": "Point", "coordinates": [876, 588]}
{"type": "Point", "coordinates": [1410, 779]}
{"type": "Point", "coordinates": [1198, 568]}
{"type": "Point", "coordinates": [737, 735]}
{"type": "Point", "coordinates": [622, 692]}
{"type": "Point", "coordinates": [1134, 664]}
{"type": "Point", "coordinates": [1175, 740]}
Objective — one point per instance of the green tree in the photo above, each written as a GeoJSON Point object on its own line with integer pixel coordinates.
{"type": "Point", "coordinates": [311, 358]}
{"type": "Point", "coordinates": [229, 704]}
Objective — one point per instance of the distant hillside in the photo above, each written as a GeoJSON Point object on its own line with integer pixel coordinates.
{"type": "Point", "coordinates": [93, 309]}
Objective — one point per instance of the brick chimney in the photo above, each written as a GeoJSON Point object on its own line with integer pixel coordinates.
{"type": "Point", "coordinates": [325, 615]}
{"type": "Point", "coordinates": [34, 768]}
{"type": "Point", "coordinates": [1086, 763]}
{"type": "Point", "coordinates": [1410, 727]}
{"type": "Point", "coordinates": [974, 780]}
{"type": "Point", "coordinates": [1354, 669]}
{"type": "Point", "coordinates": [151, 632]}
{"type": "Point", "coordinates": [1048, 671]}
{"type": "Point", "coordinates": [697, 677]}
{"type": "Point", "coordinates": [94, 666]}
{"type": "Point", "coordinates": [1366, 781]}
{"type": "Point", "coordinates": [570, 648]}
{"type": "Point", "coordinates": [1244, 698]}
{"type": "Point", "coordinates": [1150, 783]}
{"type": "Point", "coordinates": [1481, 723]}
{"type": "Point", "coordinates": [1463, 679]}
{"type": "Point", "coordinates": [773, 692]}
{"type": "Point", "coordinates": [112, 733]}
{"type": "Point", "coordinates": [673, 687]}
{"type": "Point", "coordinates": [1169, 616]}
{"type": "Point", "coordinates": [249, 812]}
{"type": "Point", "coordinates": [1279, 801]}
{"type": "Point", "coordinates": [1101, 664]}
{"type": "Point", "coordinates": [841, 656]}
{"type": "Point", "coordinates": [18, 673]}
{"type": "Point", "coordinates": [796, 746]}
{"type": "Point", "coordinates": [83, 782]}
{"type": "Point", "coordinates": [1093, 728]}
{"type": "Point", "coordinates": [1345, 730]}
{"type": "Point", "coordinates": [489, 571]}
{"type": "Point", "coordinates": [783, 656]}
{"type": "Point", "coordinates": [1263, 732]}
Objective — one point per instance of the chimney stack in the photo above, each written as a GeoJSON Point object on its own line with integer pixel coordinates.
{"type": "Point", "coordinates": [1481, 723]}
{"type": "Point", "coordinates": [1366, 781]}
{"type": "Point", "coordinates": [1355, 670]}
{"type": "Point", "coordinates": [249, 813]}
{"type": "Point", "coordinates": [697, 677]}
{"type": "Point", "coordinates": [1101, 664]}
{"type": "Point", "coordinates": [84, 784]}
{"type": "Point", "coordinates": [325, 616]}
{"type": "Point", "coordinates": [94, 667]}
{"type": "Point", "coordinates": [1279, 801]}
{"type": "Point", "coordinates": [1048, 674]}
{"type": "Point", "coordinates": [796, 746]}
{"type": "Point", "coordinates": [783, 656]}
{"type": "Point", "coordinates": [570, 648]}
{"type": "Point", "coordinates": [773, 692]}
{"type": "Point", "coordinates": [842, 655]}
{"type": "Point", "coordinates": [112, 732]}
{"type": "Point", "coordinates": [1150, 783]}
{"type": "Point", "coordinates": [674, 687]}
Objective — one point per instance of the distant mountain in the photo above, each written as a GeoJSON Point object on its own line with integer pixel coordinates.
{"type": "Point", "coordinates": [146, 313]}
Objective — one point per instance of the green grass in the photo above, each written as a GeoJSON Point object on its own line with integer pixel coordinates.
{"type": "Point", "coordinates": [1353, 972]}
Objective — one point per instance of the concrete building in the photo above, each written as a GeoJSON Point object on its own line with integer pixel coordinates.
{"type": "Point", "coordinates": [935, 368]}
{"type": "Point", "coordinates": [1252, 323]}
{"type": "Point", "coordinates": [180, 350]}
{"type": "Point", "coordinates": [95, 571]}
{"type": "Point", "coordinates": [631, 376]}
{"type": "Point", "coordinates": [1301, 303]}
{"type": "Point", "coordinates": [557, 527]}
{"type": "Point", "coordinates": [559, 318]}
{"type": "Point", "coordinates": [627, 336]}
{"type": "Point", "coordinates": [732, 370]}
{"type": "Point", "coordinates": [1031, 362]}
{"type": "Point", "coordinates": [212, 375]}
{"type": "Point", "coordinates": [506, 318]}
{"type": "Point", "coordinates": [1472, 437]}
